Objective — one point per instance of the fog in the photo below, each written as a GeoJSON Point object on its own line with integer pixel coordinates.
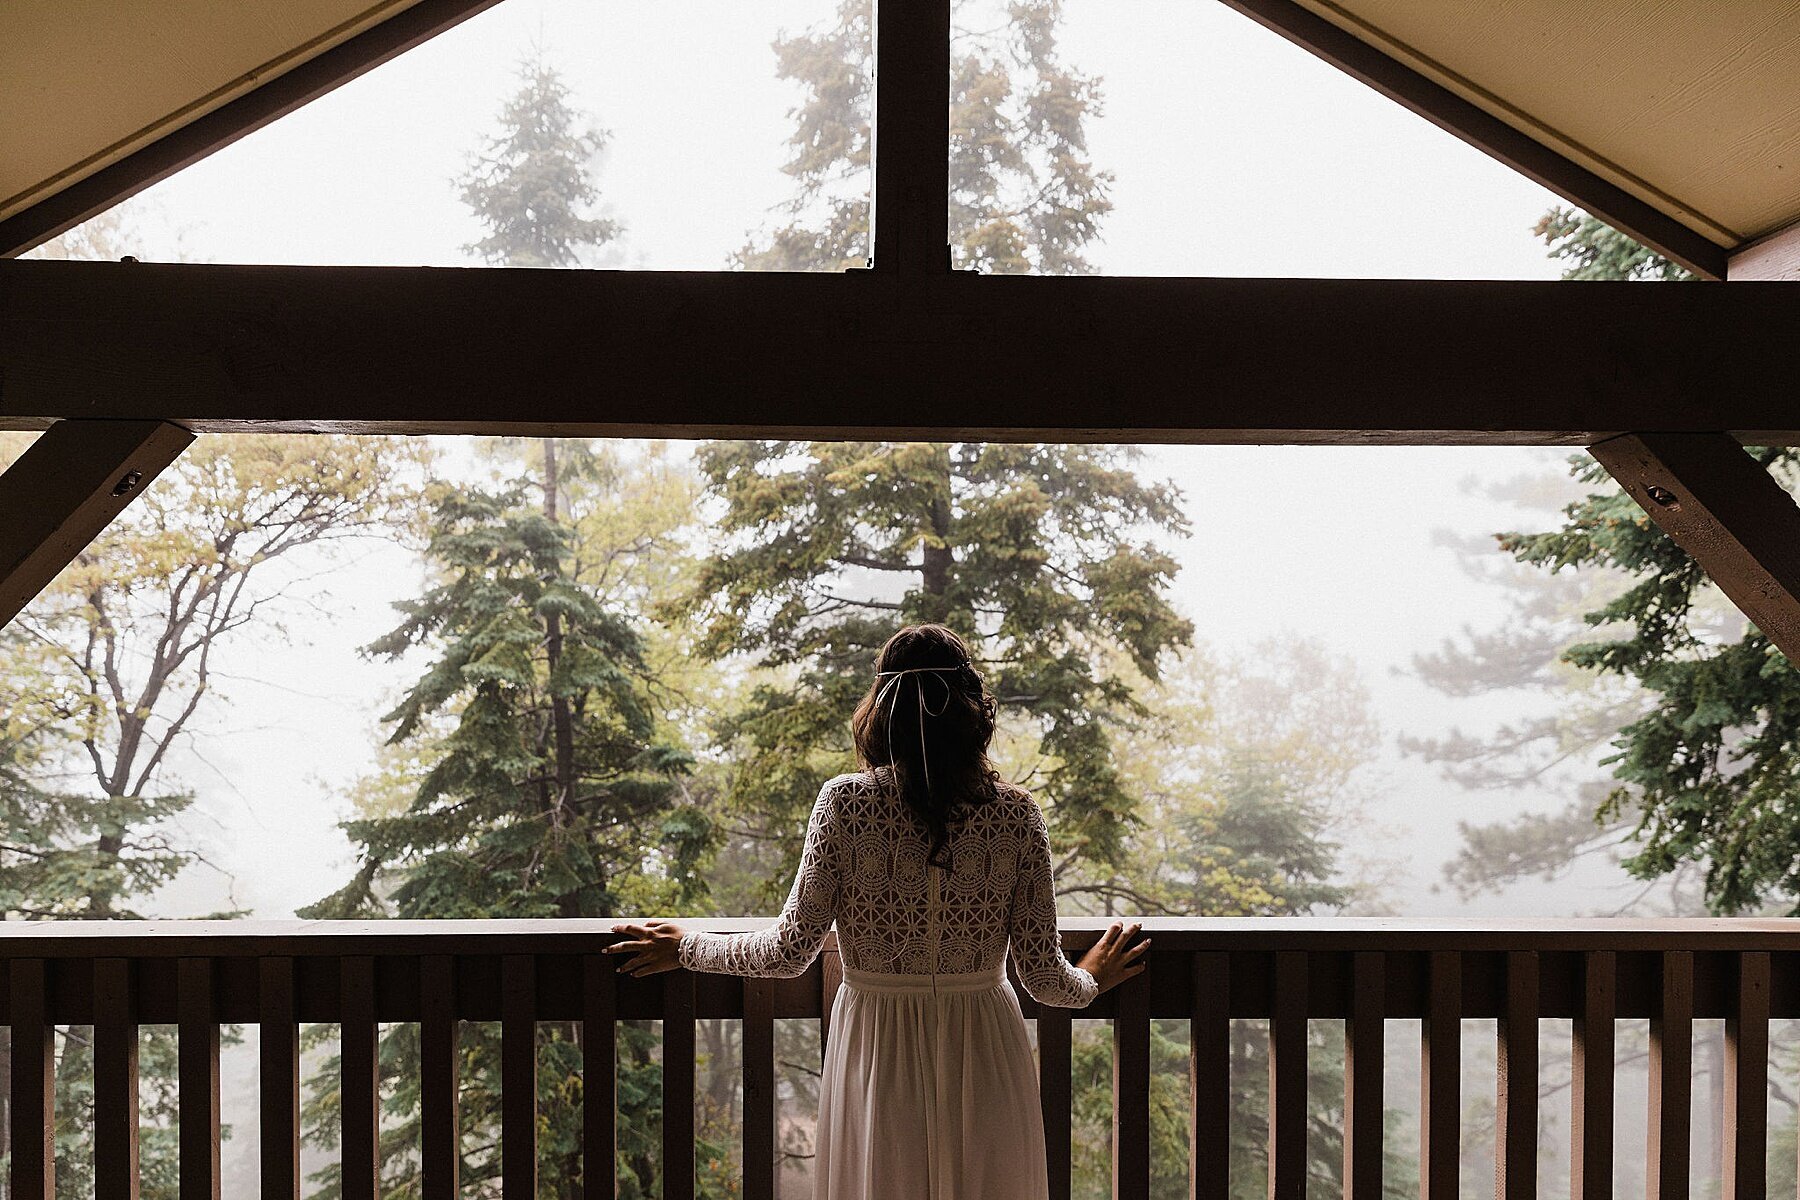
{"type": "Point", "coordinates": [1234, 154]}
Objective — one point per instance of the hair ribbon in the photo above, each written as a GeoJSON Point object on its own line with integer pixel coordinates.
{"type": "Point", "coordinates": [892, 691]}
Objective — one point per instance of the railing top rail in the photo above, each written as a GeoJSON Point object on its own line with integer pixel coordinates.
{"type": "Point", "coordinates": [231, 939]}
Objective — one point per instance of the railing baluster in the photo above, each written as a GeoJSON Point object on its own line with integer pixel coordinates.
{"type": "Point", "coordinates": [759, 1089]}
{"type": "Point", "coordinates": [197, 1060]}
{"type": "Point", "coordinates": [599, 1077]}
{"type": "Point", "coordinates": [1516, 1082]}
{"type": "Point", "coordinates": [1365, 1054]}
{"type": "Point", "coordinates": [678, 1086]}
{"type": "Point", "coordinates": [1209, 1069]}
{"type": "Point", "coordinates": [1747, 1082]}
{"type": "Point", "coordinates": [1131, 1090]}
{"type": "Point", "coordinates": [1054, 1029]}
{"type": "Point", "coordinates": [1671, 1079]}
{"type": "Point", "coordinates": [440, 1158]}
{"type": "Point", "coordinates": [115, 1081]}
{"type": "Point", "coordinates": [518, 1077]}
{"type": "Point", "coordinates": [1591, 1092]}
{"type": "Point", "coordinates": [359, 1078]}
{"type": "Point", "coordinates": [1287, 1078]}
{"type": "Point", "coordinates": [278, 1042]}
{"type": "Point", "coordinates": [32, 1136]}
{"type": "Point", "coordinates": [1440, 1127]}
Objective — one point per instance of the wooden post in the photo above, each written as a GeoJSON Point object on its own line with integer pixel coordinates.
{"type": "Point", "coordinates": [1209, 1064]}
{"type": "Point", "coordinates": [115, 1080]}
{"type": "Point", "coordinates": [279, 1047]}
{"type": "Point", "coordinates": [33, 1095]}
{"type": "Point", "coordinates": [1516, 1082]}
{"type": "Point", "coordinates": [518, 1077]}
{"type": "Point", "coordinates": [1747, 1081]}
{"type": "Point", "coordinates": [1591, 1106]}
{"type": "Point", "coordinates": [73, 480]}
{"type": "Point", "coordinates": [911, 217]}
{"type": "Point", "coordinates": [359, 1082]}
{"type": "Point", "coordinates": [599, 1077]}
{"type": "Point", "coordinates": [440, 1158]}
{"type": "Point", "coordinates": [1440, 1125]}
{"type": "Point", "coordinates": [1055, 1089]}
{"type": "Point", "coordinates": [678, 1086]}
{"type": "Point", "coordinates": [1131, 1090]}
{"type": "Point", "coordinates": [1671, 1079]}
{"type": "Point", "coordinates": [197, 1057]}
{"type": "Point", "coordinates": [1365, 1046]}
{"type": "Point", "coordinates": [1287, 1078]}
{"type": "Point", "coordinates": [1723, 508]}
{"type": "Point", "coordinates": [759, 1090]}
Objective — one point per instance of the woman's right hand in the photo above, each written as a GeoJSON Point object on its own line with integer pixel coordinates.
{"type": "Point", "coordinates": [1110, 961]}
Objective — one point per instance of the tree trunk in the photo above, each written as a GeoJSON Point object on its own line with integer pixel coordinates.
{"type": "Point", "coordinates": [937, 557]}
{"type": "Point", "coordinates": [562, 722]}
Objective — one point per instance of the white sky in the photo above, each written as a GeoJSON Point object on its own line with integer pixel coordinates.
{"type": "Point", "coordinates": [1235, 154]}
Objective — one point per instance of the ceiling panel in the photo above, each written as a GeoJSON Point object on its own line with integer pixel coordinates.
{"type": "Point", "coordinates": [1692, 107]}
{"type": "Point", "coordinates": [85, 82]}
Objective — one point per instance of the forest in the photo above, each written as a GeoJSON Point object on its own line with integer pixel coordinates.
{"type": "Point", "coordinates": [631, 664]}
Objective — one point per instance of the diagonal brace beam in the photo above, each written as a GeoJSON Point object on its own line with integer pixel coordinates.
{"type": "Point", "coordinates": [1723, 508]}
{"type": "Point", "coordinates": [66, 488]}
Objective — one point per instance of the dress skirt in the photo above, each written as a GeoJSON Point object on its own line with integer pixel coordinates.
{"type": "Point", "coordinates": [929, 1092]}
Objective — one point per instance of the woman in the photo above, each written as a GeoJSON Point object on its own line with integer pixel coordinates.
{"type": "Point", "coordinates": [932, 868]}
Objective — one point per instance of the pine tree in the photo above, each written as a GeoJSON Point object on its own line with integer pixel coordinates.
{"type": "Point", "coordinates": [1706, 771]}
{"type": "Point", "coordinates": [553, 787]}
{"type": "Point", "coordinates": [104, 674]}
{"type": "Point", "coordinates": [1042, 556]}
{"type": "Point", "coordinates": [1024, 196]}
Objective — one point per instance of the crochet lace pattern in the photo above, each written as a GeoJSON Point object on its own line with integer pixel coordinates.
{"type": "Point", "coordinates": [863, 865]}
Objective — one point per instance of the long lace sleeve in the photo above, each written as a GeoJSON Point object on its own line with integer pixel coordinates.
{"type": "Point", "coordinates": [786, 948]}
{"type": "Point", "coordinates": [1036, 942]}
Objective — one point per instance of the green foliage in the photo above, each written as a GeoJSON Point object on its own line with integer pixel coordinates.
{"type": "Point", "coordinates": [1708, 754]}
{"type": "Point", "coordinates": [1023, 195]}
{"type": "Point", "coordinates": [1040, 555]}
{"type": "Point", "coordinates": [1709, 771]}
{"type": "Point", "coordinates": [1595, 250]}
{"type": "Point", "coordinates": [1245, 767]}
{"type": "Point", "coordinates": [545, 780]}
{"type": "Point", "coordinates": [549, 791]}
{"type": "Point", "coordinates": [506, 823]}
{"type": "Point", "coordinates": [103, 673]}
{"type": "Point", "coordinates": [533, 182]}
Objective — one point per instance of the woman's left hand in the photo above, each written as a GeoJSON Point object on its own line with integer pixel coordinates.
{"type": "Point", "coordinates": [652, 947]}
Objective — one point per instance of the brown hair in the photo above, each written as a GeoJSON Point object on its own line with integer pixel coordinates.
{"type": "Point", "coordinates": [928, 718]}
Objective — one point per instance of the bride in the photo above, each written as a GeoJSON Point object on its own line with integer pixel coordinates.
{"type": "Point", "coordinates": [933, 869]}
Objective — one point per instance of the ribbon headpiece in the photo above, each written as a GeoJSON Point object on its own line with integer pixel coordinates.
{"type": "Point", "coordinates": [891, 690]}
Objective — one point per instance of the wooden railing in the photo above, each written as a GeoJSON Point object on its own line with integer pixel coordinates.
{"type": "Point", "coordinates": [201, 975]}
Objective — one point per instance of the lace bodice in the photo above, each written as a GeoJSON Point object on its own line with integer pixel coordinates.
{"type": "Point", "coordinates": [863, 865]}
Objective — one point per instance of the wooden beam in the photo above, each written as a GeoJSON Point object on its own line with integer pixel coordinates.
{"type": "Point", "coordinates": [1450, 112]}
{"type": "Point", "coordinates": [64, 490]}
{"type": "Point", "coordinates": [224, 125]}
{"type": "Point", "coordinates": [1727, 511]}
{"type": "Point", "coordinates": [866, 354]}
{"type": "Point", "coordinates": [911, 215]}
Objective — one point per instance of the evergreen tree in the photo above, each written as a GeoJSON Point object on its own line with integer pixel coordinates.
{"type": "Point", "coordinates": [1040, 555]}
{"type": "Point", "coordinates": [1706, 771]}
{"type": "Point", "coordinates": [552, 792]}
{"type": "Point", "coordinates": [1246, 766]}
{"type": "Point", "coordinates": [104, 673]}
{"type": "Point", "coordinates": [1023, 195]}
{"type": "Point", "coordinates": [553, 785]}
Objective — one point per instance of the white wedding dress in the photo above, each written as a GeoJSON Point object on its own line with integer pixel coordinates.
{"type": "Point", "coordinates": [929, 1090]}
